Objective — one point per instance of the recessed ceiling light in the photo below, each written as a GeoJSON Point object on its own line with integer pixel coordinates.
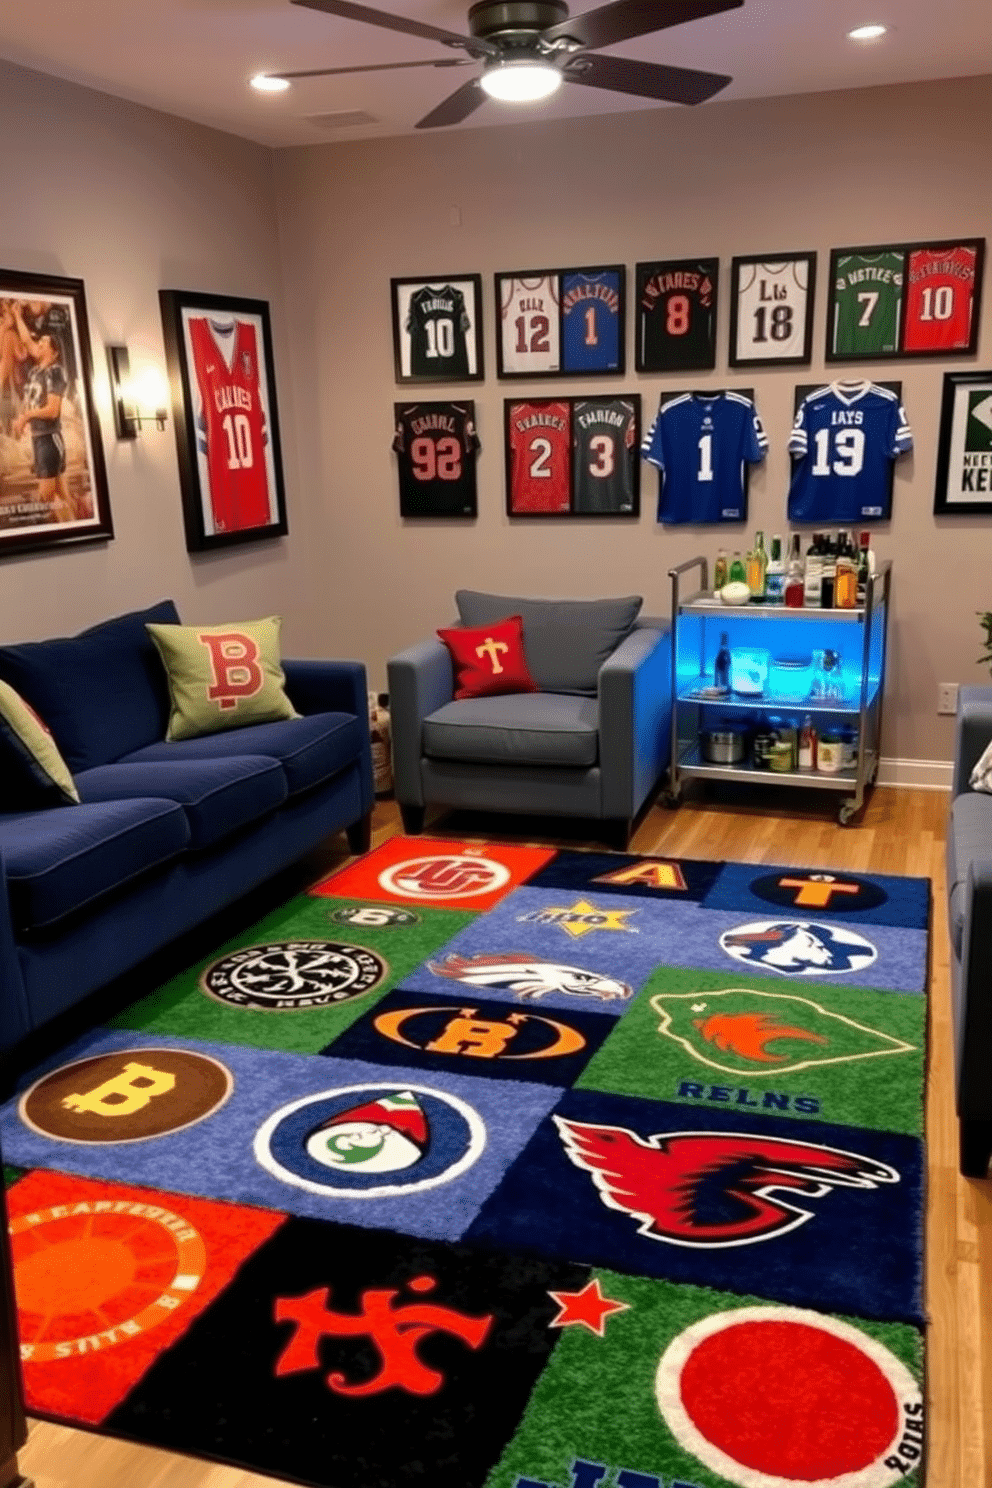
{"type": "Point", "coordinates": [867, 33]}
{"type": "Point", "coordinates": [262, 82]}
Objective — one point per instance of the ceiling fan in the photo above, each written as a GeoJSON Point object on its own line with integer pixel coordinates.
{"type": "Point", "coordinates": [529, 47]}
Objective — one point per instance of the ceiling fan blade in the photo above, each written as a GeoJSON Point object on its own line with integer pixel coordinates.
{"type": "Point", "coordinates": [314, 72]}
{"type": "Point", "coordinates": [369, 17]}
{"type": "Point", "coordinates": [645, 79]}
{"type": "Point", "coordinates": [455, 108]}
{"type": "Point", "coordinates": [629, 18]}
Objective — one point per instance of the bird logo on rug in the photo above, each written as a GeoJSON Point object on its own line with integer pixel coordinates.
{"type": "Point", "coordinates": [705, 1189]}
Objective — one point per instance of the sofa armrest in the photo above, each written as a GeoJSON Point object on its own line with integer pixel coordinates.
{"type": "Point", "coordinates": [421, 680]}
{"type": "Point", "coordinates": [973, 1013]}
{"type": "Point", "coordinates": [327, 687]}
{"type": "Point", "coordinates": [15, 1018]}
{"type": "Point", "coordinates": [635, 705]}
{"type": "Point", "coordinates": [972, 733]}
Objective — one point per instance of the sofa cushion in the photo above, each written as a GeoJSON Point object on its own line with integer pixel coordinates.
{"type": "Point", "coordinates": [32, 772]}
{"type": "Point", "coordinates": [102, 693]}
{"type": "Point", "coordinates": [58, 861]}
{"type": "Point", "coordinates": [222, 676]}
{"type": "Point", "coordinates": [217, 796]}
{"type": "Point", "coordinates": [310, 750]}
{"type": "Point", "coordinates": [969, 838]}
{"type": "Point", "coordinates": [566, 640]}
{"type": "Point", "coordinates": [521, 729]}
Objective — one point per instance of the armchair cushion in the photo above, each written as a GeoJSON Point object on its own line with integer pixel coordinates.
{"type": "Point", "coordinates": [566, 640]}
{"type": "Point", "coordinates": [519, 729]}
{"type": "Point", "coordinates": [489, 660]}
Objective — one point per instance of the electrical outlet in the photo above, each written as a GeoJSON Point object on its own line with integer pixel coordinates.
{"type": "Point", "coordinates": [947, 697]}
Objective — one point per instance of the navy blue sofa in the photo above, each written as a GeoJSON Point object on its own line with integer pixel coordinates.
{"type": "Point", "coordinates": [166, 833]}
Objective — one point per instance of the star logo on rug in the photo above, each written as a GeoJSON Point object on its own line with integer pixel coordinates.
{"type": "Point", "coordinates": [588, 1308]}
{"type": "Point", "coordinates": [580, 918]}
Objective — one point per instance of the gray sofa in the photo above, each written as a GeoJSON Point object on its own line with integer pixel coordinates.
{"type": "Point", "coordinates": [593, 742]}
{"type": "Point", "coordinates": [969, 887]}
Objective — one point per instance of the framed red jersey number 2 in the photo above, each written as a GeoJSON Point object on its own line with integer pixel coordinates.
{"type": "Point", "coordinates": [219, 352]}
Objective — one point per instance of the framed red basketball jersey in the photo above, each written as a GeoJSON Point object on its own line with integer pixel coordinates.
{"type": "Point", "coordinates": [941, 298]}
{"type": "Point", "coordinates": [538, 456]}
{"type": "Point", "coordinates": [219, 352]}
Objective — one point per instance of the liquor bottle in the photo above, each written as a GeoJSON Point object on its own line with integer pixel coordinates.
{"type": "Point", "coordinates": [775, 574]}
{"type": "Point", "coordinates": [721, 574]}
{"type": "Point", "coordinates": [721, 667]}
{"type": "Point", "coordinates": [813, 574]}
{"type": "Point", "coordinates": [864, 568]}
{"type": "Point", "coordinates": [807, 744]}
{"type": "Point", "coordinates": [829, 574]}
{"type": "Point", "coordinates": [794, 586]}
{"type": "Point", "coordinates": [738, 573]}
{"type": "Point", "coordinates": [846, 582]}
{"type": "Point", "coordinates": [757, 567]}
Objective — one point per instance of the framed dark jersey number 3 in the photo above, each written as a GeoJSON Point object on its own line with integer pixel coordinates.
{"type": "Point", "coordinates": [437, 328]}
{"type": "Point", "coordinates": [436, 445]}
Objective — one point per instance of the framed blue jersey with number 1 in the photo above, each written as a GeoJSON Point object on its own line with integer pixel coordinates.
{"type": "Point", "coordinates": [703, 444]}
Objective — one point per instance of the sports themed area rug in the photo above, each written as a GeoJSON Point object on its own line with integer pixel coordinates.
{"type": "Point", "coordinates": [497, 1167]}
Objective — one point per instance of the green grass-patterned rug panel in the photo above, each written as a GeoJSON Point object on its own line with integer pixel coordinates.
{"type": "Point", "coordinates": [597, 1401]}
{"type": "Point", "coordinates": [839, 1054]}
{"type": "Point", "coordinates": [182, 1008]}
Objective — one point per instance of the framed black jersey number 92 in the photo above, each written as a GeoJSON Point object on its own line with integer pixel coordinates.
{"type": "Point", "coordinates": [437, 328]}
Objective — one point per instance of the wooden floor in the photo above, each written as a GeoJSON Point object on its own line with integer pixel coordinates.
{"type": "Point", "coordinates": [901, 832]}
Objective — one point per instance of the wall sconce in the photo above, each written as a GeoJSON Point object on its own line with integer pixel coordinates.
{"type": "Point", "coordinates": [137, 400]}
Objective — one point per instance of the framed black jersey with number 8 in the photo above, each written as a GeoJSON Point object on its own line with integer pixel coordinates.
{"type": "Point", "coordinates": [771, 309]}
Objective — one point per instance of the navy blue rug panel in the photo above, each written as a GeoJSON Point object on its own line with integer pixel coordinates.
{"type": "Point", "coordinates": [687, 879]}
{"type": "Point", "coordinates": [436, 1352]}
{"type": "Point", "coordinates": [718, 1205]}
{"type": "Point", "coordinates": [874, 898]}
{"type": "Point", "coordinates": [497, 1040]}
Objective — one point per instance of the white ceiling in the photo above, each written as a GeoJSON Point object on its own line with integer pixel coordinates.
{"type": "Point", "coordinates": [194, 57]}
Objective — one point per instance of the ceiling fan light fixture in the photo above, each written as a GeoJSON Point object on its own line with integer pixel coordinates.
{"type": "Point", "coordinates": [520, 79]}
{"type": "Point", "coordinates": [867, 33]}
{"type": "Point", "coordinates": [265, 82]}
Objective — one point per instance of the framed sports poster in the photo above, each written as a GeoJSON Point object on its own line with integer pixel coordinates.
{"type": "Point", "coordinates": [436, 445]}
{"type": "Point", "coordinates": [771, 309]}
{"type": "Point", "coordinates": [676, 315]}
{"type": "Point", "coordinates": [219, 354]}
{"type": "Point", "coordinates": [573, 457]}
{"type": "Point", "coordinates": [437, 328]}
{"type": "Point", "coordinates": [53, 480]}
{"type": "Point", "coordinates": [905, 300]}
{"type": "Point", "coordinates": [964, 451]}
{"type": "Point", "coordinates": [561, 322]}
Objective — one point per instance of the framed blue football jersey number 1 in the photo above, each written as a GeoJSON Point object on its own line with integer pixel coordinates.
{"type": "Point", "coordinates": [561, 322]}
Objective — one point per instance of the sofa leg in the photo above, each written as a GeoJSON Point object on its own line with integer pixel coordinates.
{"type": "Point", "coordinates": [616, 834]}
{"type": "Point", "coordinates": [976, 1148]}
{"type": "Point", "coordinates": [413, 819]}
{"type": "Point", "coordinates": [360, 834]}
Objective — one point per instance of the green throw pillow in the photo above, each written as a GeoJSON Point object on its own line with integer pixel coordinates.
{"type": "Point", "coordinates": [222, 676]}
{"type": "Point", "coordinates": [32, 772]}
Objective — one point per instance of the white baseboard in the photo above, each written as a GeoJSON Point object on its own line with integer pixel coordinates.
{"type": "Point", "coordinates": [921, 773]}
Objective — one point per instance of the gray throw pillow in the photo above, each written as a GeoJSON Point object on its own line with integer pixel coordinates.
{"type": "Point", "coordinates": [566, 640]}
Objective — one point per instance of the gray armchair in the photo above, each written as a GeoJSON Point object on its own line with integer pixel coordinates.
{"type": "Point", "coordinates": [593, 742]}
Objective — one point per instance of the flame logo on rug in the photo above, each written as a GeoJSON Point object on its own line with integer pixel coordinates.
{"type": "Point", "coordinates": [528, 977]}
{"type": "Point", "coordinates": [747, 1034]}
{"type": "Point", "coordinates": [705, 1189]}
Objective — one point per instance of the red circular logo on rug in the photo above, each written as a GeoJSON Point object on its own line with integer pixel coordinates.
{"type": "Point", "coordinates": [97, 1273]}
{"type": "Point", "coordinates": [444, 876]}
{"type": "Point", "coordinates": [777, 1397]}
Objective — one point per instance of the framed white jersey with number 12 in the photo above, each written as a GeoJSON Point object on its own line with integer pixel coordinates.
{"type": "Point", "coordinates": [771, 309]}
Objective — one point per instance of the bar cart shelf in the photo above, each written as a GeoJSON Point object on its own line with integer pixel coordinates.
{"type": "Point", "coordinates": [858, 635]}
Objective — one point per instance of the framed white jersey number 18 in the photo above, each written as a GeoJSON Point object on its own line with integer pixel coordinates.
{"type": "Point", "coordinates": [771, 309]}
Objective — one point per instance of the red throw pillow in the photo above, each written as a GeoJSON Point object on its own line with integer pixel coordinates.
{"type": "Point", "coordinates": [489, 659]}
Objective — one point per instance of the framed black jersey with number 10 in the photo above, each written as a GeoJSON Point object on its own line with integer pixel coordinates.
{"type": "Point", "coordinates": [561, 322]}
{"type": "Point", "coordinates": [437, 328]}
